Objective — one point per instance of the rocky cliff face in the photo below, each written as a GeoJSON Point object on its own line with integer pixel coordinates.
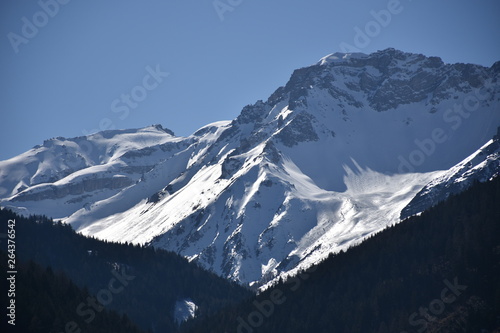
{"type": "Point", "coordinates": [330, 158]}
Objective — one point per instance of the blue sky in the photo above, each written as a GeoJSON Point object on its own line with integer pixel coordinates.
{"type": "Point", "coordinates": [67, 70]}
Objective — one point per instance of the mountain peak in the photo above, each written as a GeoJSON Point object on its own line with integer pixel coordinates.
{"type": "Point", "coordinates": [159, 127]}
{"type": "Point", "coordinates": [339, 57]}
{"type": "Point", "coordinates": [330, 158]}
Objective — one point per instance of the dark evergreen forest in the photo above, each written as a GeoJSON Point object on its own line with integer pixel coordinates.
{"type": "Point", "coordinates": [146, 282]}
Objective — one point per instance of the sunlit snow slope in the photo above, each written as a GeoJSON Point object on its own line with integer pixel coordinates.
{"type": "Point", "coordinates": [330, 158]}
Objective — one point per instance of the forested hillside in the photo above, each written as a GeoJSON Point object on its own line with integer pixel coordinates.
{"type": "Point", "coordinates": [139, 281]}
{"type": "Point", "coordinates": [47, 302]}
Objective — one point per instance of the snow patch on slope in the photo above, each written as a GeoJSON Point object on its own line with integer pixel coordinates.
{"type": "Point", "coordinates": [184, 310]}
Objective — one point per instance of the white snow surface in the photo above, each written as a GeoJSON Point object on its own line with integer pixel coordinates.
{"type": "Point", "coordinates": [316, 169]}
{"type": "Point", "coordinates": [184, 310]}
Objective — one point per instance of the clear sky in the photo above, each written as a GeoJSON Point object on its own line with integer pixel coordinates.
{"type": "Point", "coordinates": [70, 67]}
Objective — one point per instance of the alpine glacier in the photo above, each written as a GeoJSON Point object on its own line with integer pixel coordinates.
{"type": "Point", "coordinates": [348, 146]}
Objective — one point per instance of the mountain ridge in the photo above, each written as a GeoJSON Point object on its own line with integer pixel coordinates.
{"type": "Point", "coordinates": [313, 170]}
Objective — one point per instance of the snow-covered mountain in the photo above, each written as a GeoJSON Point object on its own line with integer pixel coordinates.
{"type": "Point", "coordinates": [330, 158]}
{"type": "Point", "coordinates": [482, 166]}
